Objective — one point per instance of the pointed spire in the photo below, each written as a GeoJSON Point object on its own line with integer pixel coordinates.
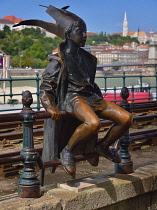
{"type": "Point", "coordinates": [125, 18]}
{"type": "Point", "coordinates": [125, 25]}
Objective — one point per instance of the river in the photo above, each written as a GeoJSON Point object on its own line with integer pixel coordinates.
{"type": "Point", "coordinates": [110, 82]}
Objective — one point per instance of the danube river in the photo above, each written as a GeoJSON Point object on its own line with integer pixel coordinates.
{"type": "Point", "coordinates": [110, 82]}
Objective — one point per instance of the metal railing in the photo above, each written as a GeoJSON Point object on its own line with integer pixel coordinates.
{"type": "Point", "coordinates": [150, 89]}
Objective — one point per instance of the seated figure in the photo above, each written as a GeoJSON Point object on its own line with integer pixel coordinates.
{"type": "Point", "coordinates": [68, 85]}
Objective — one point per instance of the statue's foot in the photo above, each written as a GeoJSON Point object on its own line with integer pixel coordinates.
{"type": "Point", "coordinates": [67, 161]}
{"type": "Point", "coordinates": [110, 154]}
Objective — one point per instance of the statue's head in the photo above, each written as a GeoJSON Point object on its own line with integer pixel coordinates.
{"type": "Point", "coordinates": [68, 25]}
{"type": "Point", "coordinates": [77, 33]}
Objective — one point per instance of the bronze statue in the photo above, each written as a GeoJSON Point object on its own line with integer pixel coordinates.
{"type": "Point", "coordinates": [68, 84]}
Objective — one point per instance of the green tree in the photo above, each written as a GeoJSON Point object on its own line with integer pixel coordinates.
{"type": "Point", "coordinates": [25, 43]}
{"type": "Point", "coordinates": [37, 51]}
{"type": "Point", "coordinates": [6, 29]}
{"type": "Point", "coordinates": [2, 34]}
{"type": "Point", "coordinates": [15, 61]}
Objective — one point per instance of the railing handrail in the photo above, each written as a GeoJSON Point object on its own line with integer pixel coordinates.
{"type": "Point", "coordinates": [105, 88]}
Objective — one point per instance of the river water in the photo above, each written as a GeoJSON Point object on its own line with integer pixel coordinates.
{"type": "Point", "coordinates": [110, 82]}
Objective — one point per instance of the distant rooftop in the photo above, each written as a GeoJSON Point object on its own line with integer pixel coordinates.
{"type": "Point", "coordinates": [12, 18]}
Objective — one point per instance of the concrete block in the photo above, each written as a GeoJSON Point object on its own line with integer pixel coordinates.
{"type": "Point", "coordinates": [79, 185]}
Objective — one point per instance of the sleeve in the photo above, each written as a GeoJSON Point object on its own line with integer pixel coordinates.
{"type": "Point", "coordinates": [97, 90]}
{"type": "Point", "coordinates": [48, 85]}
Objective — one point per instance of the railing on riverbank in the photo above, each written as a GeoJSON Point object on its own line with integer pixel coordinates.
{"type": "Point", "coordinates": [150, 89]}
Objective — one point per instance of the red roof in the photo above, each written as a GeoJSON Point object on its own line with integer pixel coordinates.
{"type": "Point", "coordinates": [90, 33]}
{"type": "Point", "coordinates": [12, 18]}
{"type": "Point", "coordinates": [127, 44]}
{"type": "Point", "coordinates": [55, 50]}
{"type": "Point", "coordinates": [119, 50]}
{"type": "Point", "coordinates": [4, 21]}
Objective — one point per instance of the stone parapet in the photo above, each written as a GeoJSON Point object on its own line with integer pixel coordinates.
{"type": "Point", "coordinates": [136, 191]}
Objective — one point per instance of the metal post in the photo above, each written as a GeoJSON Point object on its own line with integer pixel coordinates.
{"type": "Point", "coordinates": [29, 185]}
{"type": "Point", "coordinates": [11, 87]}
{"type": "Point", "coordinates": [156, 85]}
{"type": "Point", "coordinates": [37, 85]}
{"type": "Point", "coordinates": [105, 85]}
{"type": "Point", "coordinates": [124, 77]}
{"type": "Point", "coordinates": [4, 75]}
{"type": "Point", "coordinates": [126, 165]}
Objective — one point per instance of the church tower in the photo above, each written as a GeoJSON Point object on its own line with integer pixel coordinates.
{"type": "Point", "coordinates": [125, 25]}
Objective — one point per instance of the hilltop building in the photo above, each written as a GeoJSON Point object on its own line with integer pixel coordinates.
{"type": "Point", "coordinates": [125, 25]}
{"type": "Point", "coordinates": [142, 36]}
{"type": "Point", "coordinates": [12, 20]}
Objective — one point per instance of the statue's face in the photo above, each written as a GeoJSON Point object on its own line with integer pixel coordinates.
{"type": "Point", "coordinates": [79, 34]}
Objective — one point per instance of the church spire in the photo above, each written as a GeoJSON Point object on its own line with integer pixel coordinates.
{"type": "Point", "coordinates": [125, 25]}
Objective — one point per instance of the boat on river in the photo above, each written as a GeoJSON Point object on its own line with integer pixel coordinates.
{"type": "Point", "coordinates": [137, 93]}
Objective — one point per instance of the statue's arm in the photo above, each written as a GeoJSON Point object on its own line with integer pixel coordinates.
{"type": "Point", "coordinates": [48, 87]}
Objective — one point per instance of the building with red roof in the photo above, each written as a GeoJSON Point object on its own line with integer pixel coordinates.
{"type": "Point", "coordinates": [13, 19]}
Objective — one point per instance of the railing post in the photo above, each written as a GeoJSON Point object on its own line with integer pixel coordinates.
{"type": "Point", "coordinates": [11, 87]}
{"type": "Point", "coordinates": [124, 77]}
{"type": "Point", "coordinates": [105, 83]}
{"type": "Point", "coordinates": [37, 85]}
{"type": "Point", "coordinates": [29, 185]}
{"type": "Point", "coordinates": [156, 85]}
{"type": "Point", "coordinates": [126, 165]}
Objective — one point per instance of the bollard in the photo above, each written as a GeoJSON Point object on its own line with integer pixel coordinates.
{"type": "Point", "coordinates": [126, 165]}
{"type": "Point", "coordinates": [29, 185]}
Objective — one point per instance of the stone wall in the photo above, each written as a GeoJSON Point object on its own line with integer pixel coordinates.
{"type": "Point", "coordinates": [136, 191]}
{"type": "Point", "coordinates": [23, 72]}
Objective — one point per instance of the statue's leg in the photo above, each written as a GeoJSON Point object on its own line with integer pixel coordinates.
{"type": "Point", "coordinates": [90, 124]}
{"type": "Point", "coordinates": [122, 120]}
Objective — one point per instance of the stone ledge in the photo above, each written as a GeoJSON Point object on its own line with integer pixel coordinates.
{"type": "Point", "coordinates": [98, 191]}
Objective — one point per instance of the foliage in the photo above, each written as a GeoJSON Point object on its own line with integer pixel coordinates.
{"type": "Point", "coordinates": [115, 67]}
{"type": "Point", "coordinates": [28, 47]}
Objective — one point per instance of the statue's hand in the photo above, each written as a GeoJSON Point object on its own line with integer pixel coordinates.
{"type": "Point", "coordinates": [55, 114]}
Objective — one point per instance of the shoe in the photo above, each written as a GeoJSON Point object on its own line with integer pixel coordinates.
{"type": "Point", "coordinates": [110, 154]}
{"type": "Point", "coordinates": [67, 161]}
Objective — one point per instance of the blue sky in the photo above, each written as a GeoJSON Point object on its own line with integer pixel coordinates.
{"type": "Point", "coordinates": [99, 15]}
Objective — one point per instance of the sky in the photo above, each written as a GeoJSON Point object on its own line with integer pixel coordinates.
{"type": "Point", "coordinates": [99, 15]}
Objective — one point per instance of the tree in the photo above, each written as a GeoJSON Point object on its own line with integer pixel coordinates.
{"type": "Point", "coordinates": [15, 61]}
{"type": "Point", "coordinates": [6, 29]}
{"type": "Point", "coordinates": [115, 67]}
{"type": "Point", "coordinates": [25, 43]}
{"type": "Point", "coordinates": [2, 34]}
{"type": "Point", "coordinates": [37, 51]}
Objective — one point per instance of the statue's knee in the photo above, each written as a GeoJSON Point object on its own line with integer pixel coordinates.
{"type": "Point", "coordinates": [128, 120]}
{"type": "Point", "coordinates": [94, 125]}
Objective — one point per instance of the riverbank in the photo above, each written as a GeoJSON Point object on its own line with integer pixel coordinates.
{"type": "Point", "coordinates": [32, 72]}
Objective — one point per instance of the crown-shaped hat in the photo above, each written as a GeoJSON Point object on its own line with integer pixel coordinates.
{"type": "Point", "coordinates": [64, 21]}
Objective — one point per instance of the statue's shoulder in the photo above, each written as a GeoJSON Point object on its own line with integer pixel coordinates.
{"type": "Point", "coordinates": [58, 56]}
{"type": "Point", "coordinates": [88, 55]}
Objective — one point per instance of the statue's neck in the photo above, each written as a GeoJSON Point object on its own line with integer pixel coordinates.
{"type": "Point", "coordinates": [72, 47]}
